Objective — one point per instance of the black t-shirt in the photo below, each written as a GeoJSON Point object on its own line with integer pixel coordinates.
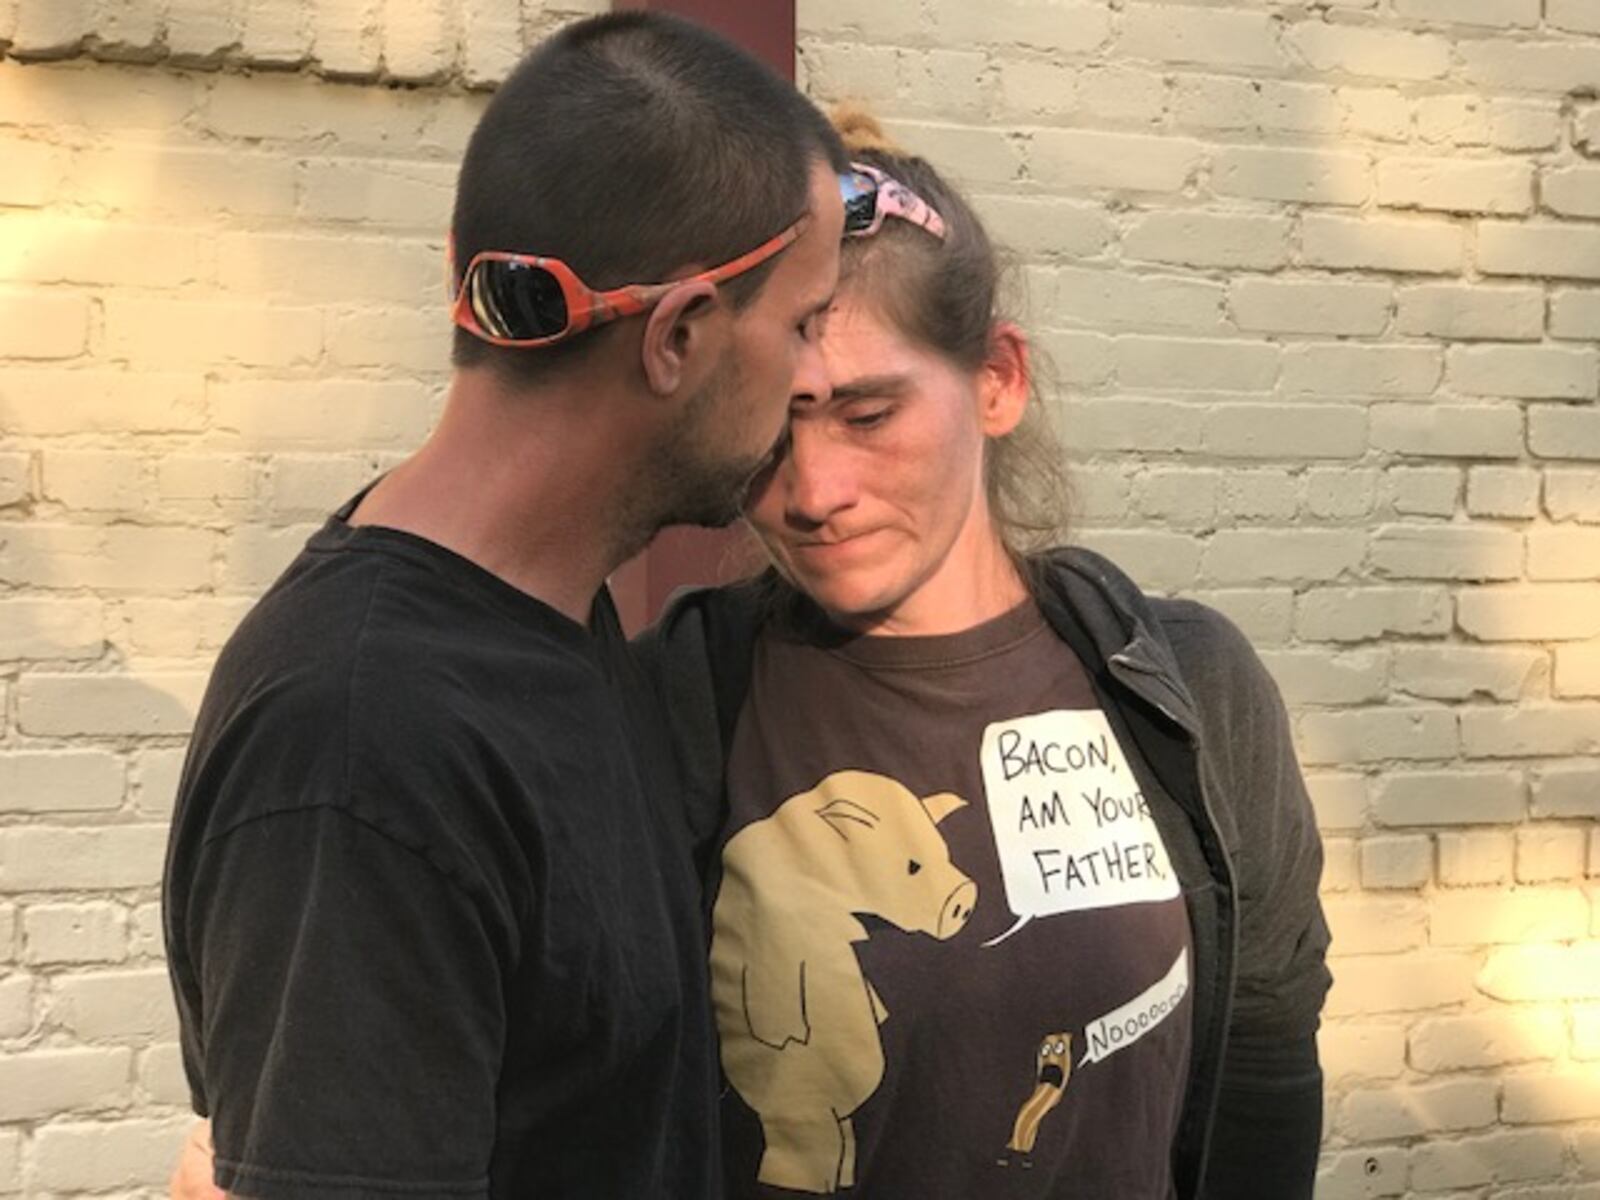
{"type": "Point", "coordinates": [431, 914]}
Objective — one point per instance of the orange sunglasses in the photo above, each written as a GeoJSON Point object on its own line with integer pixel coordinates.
{"type": "Point", "coordinates": [527, 300]}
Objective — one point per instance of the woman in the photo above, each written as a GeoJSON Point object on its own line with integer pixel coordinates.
{"type": "Point", "coordinates": [1011, 869]}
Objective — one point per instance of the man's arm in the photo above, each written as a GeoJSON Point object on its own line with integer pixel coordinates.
{"type": "Point", "coordinates": [350, 1012]}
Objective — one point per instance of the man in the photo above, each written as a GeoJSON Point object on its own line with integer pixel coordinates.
{"type": "Point", "coordinates": [431, 915]}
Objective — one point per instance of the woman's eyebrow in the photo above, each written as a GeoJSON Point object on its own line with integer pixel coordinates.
{"type": "Point", "coordinates": [885, 386]}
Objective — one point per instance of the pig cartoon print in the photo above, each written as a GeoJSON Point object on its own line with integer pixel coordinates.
{"type": "Point", "coordinates": [798, 1020]}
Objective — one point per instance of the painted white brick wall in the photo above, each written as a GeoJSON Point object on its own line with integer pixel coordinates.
{"type": "Point", "coordinates": [1319, 281]}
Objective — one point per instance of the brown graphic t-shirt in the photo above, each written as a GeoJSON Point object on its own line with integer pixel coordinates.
{"type": "Point", "coordinates": [949, 957]}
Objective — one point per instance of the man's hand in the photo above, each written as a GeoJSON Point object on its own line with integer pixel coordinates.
{"type": "Point", "coordinates": [191, 1180]}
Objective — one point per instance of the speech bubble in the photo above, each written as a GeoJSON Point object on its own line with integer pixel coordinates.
{"type": "Point", "coordinates": [1121, 1027]}
{"type": "Point", "coordinates": [1071, 827]}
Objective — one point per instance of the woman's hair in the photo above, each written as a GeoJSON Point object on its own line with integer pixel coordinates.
{"type": "Point", "coordinates": [948, 296]}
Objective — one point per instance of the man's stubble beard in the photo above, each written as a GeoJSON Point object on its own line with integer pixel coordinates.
{"type": "Point", "coordinates": [696, 484]}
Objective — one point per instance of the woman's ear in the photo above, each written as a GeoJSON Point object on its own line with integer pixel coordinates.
{"type": "Point", "coordinates": [1006, 381]}
{"type": "Point", "coordinates": [677, 336]}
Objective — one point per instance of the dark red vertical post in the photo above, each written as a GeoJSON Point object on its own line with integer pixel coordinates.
{"type": "Point", "coordinates": [682, 556]}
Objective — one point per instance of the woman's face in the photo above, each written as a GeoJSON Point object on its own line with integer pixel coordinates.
{"type": "Point", "coordinates": [876, 507]}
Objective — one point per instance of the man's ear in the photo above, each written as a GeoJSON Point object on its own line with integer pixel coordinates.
{"type": "Point", "coordinates": [1005, 381]}
{"type": "Point", "coordinates": [673, 335]}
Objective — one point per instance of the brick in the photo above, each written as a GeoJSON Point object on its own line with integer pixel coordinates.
{"type": "Point", "coordinates": [199, 32]}
{"type": "Point", "coordinates": [1524, 974]}
{"type": "Point", "coordinates": [1484, 917]}
{"type": "Point", "coordinates": [981, 156]}
{"type": "Point", "coordinates": [1567, 790]}
{"type": "Point", "coordinates": [1255, 495]}
{"type": "Point", "coordinates": [1084, 360]}
{"type": "Point", "coordinates": [1563, 432]}
{"type": "Point", "coordinates": [94, 480]}
{"type": "Point", "coordinates": [1571, 191]}
{"type": "Point", "coordinates": [1378, 734]}
{"type": "Point", "coordinates": [51, 629]}
{"type": "Point", "coordinates": [1543, 612]}
{"type": "Point", "coordinates": [1412, 1111]}
{"type": "Point", "coordinates": [255, 556]}
{"type": "Point", "coordinates": [41, 248]}
{"type": "Point", "coordinates": [1496, 1157]}
{"type": "Point", "coordinates": [1351, 1053]}
{"type": "Point", "coordinates": [95, 96]}
{"type": "Point", "coordinates": [1511, 492]}
{"type": "Point", "coordinates": [1371, 1171]}
{"type": "Point", "coordinates": [1382, 114]}
{"type": "Point", "coordinates": [1285, 431]}
{"type": "Point", "coordinates": [16, 1005]}
{"type": "Point", "coordinates": [8, 932]}
{"type": "Point", "coordinates": [1177, 497]}
{"type": "Point", "coordinates": [1320, 677]}
{"type": "Point", "coordinates": [106, 1005]}
{"type": "Point", "coordinates": [183, 333]}
{"type": "Point", "coordinates": [1295, 176]}
{"type": "Point", "coordinates": [1064, 26]}
{"type": "Point", "coordinates": [156, 774]}
{"type": "Point", "coordinates": [1564, 1095]}
{"type": "Point", "coordinates": [1157, 560]}
{"type": "Point", "coordinates": [1572, 495]}
{"type": "Point", "coordinates": [1046, 225]}
{"type": "Point", "coordinates": [1462, 313]}
{"type": "Point", "coordinates": [1366, 613]}
{"type": "Point", "coordinates": [1446, 552]}
{"type": "Point", "coordinates": [1209, 239]}
{"type": "Point", "coordinates": [1343, 369]}
{"type": "Point", "coordinates": [1101, 493]}
{"type": "Point", "coordinates": [1562, 251]}
{"type": "Point", "coordinates": [1288, 556]}
{"type": "Point", "coordinates": [1254, 104]}
{"type": "Point", "coordinates": [1576, 15]}
{"type": "Point", "coordinates": [1307, 306]}
{"type": "Point", "coordinates": [302, 267]}
{"type": "Point", "coordinates": [1375, 924]}
{"type": "Point", "coordinates": [10, 1161]}
{"type": "Point", "coordinates": [60, 781]}
{"type": "Point", "coordinates": [1151, 425]}
{"type": "Point", "coordinates": [275, 34]}
{"type": "Point", "coordinates": [161, 1075]}
{"type": "Point", "coordinates": [1491, 1040]}
{"type": "Point", "coordinates": [1340, 801]}
{"type": "Point", "coordinates": [1081, 159]}
{"type": "Point", "coordinates": [74, 1156]}
{"type": "Point", "coordinates": [1457, 672]}
{"type": "Point", "coordinates": [1108, 298]}
{"type": "Point", "coordinates": [1575, 313]}
{"type": "Point", "coordinates": [1586, 1046]}
{"type": "Point", "coordinates": [1474, 859]}
{"type": "Point", "coordinates": [1550, 853]}
{"type": "Point", "coordinates": [1335, 493]}
{"type": "Point", "coordinates": [16, 478]}
{"type": "Point", "coordinates": [1116, 94]}
{"type": "Point", "coordinates": [492, 40]}
{"type": "Point", "coordinates": [1193, 35]}
{"type": "Point", "coordinates": [51, 30]}
{"type": "Point", "coordinates": [1396, 862]}
{"type": "Point", "coordinates": [348, 36]}
{"type": "Point", "coordinates": [1341, 866]}
{"type": "Point", "coordinates": [42, 1083]}
{"type": "Point", "coordinates": [1558, 67]}
{"type": "Point", "coordinates": [129, 30]}
{"type": "Point", "coordinates": [145, 937]}
{"type": "Point", "coordinates": [34, 171]}
{"type": "Point", "coordinates": [1497, 14]}
{"type": "Point", "coordinates": [1456, 185]}
{"type": "Point", "coordinates": [1190, 364]}
{"type": "Point", "coordinates": [74, 933]}
{"type": "Point", "coordinates": [1453, 119]}
{"type": "Point", "coordinates": [180, 181]}
{"type": "Point", "coordinates": [38, 324]}
{"type": "Point", "coordinates": [1526, 372]}
{"type": "Point", "coordinates": [1416, 246]}
{"type": "Point", "coordinates": [1531, 730]}
{"type": "Point", "coordinates": [108, 705]}
{"type": "Point", "coordinates": [1448, 430]}
{"type": "Point", "coordinates": [1453, 797]}
{"type": "Point", "coordinates": [1563, 553]}
{"type": "Point", "coordinates": [1524, 124]}
{"type": "Point", "coordinates": [321, 414]}
{"type": "Point", "coordinates": [1422, 491]}
{"type": "Point", "coordinates": [45, 859]}
{"type": "Point", "coordinates": [191, 627]}
{"type": "Point", "coordinates": [1382, 54]}
{"type": "Point", "coordinates": [98, 401]}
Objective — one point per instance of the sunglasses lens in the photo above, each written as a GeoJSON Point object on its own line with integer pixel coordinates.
{"type": "Point", "coordinates": [860, 194]}
{"type": "Point", "coordinates": [517, 301]}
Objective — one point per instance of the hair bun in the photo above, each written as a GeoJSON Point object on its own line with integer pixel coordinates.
{"type": "Point", "coordinates": [860, 131]}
